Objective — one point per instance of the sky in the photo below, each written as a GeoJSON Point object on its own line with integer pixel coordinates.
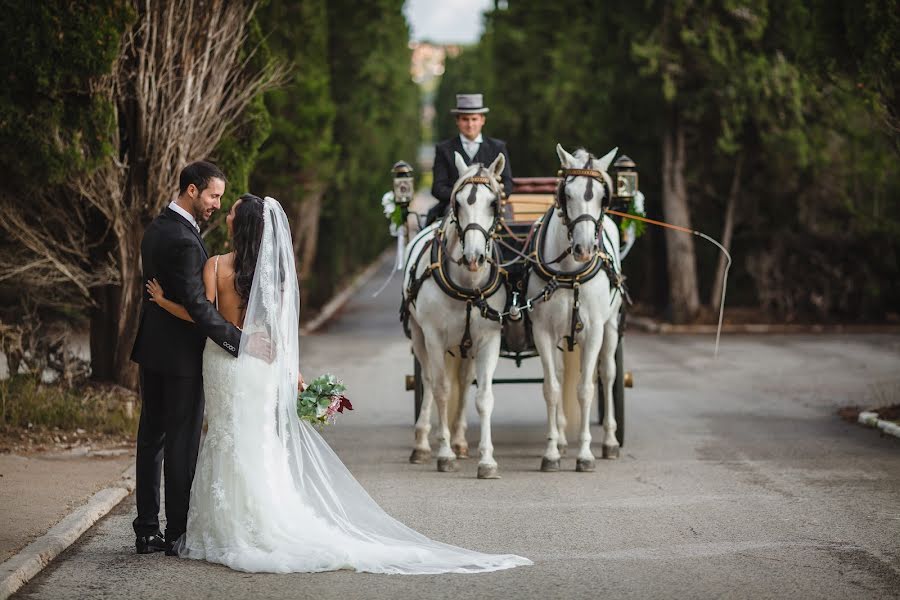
{"type": "Point", "coordinates": [446, 21]}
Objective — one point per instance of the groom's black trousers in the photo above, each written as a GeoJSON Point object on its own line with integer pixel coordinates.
{"type": "Point", "coordinates": [171, 419]}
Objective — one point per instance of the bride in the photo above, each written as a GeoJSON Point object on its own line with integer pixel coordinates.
{"type": "Point", "coordinates": [269, 494]}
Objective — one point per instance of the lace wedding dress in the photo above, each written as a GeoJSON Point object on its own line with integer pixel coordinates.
{"type": "Point", "coordinates": [269, 494]}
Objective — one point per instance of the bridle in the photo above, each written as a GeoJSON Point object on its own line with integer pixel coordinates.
{"type": "Point", "coordinates": [491, 232]}
{"type": "Point", "coordinates": [562, 198]}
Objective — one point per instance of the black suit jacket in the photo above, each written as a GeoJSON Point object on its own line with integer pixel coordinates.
{"type": "Point", "coordinates": [173, 253]}
{"type": "Point", "coordinates": [444, 170]}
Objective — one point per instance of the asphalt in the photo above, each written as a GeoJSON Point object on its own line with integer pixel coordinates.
{"type": "Point", "coordinates": [737, 479]}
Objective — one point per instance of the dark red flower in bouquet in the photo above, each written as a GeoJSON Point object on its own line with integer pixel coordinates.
{"type": "Point", "coordinates": [345, 403]}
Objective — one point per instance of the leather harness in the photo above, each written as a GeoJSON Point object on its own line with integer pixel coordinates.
{"type": "Point", "coordinates": [440, 260]}
{"type": "Point", "coordinates": [534, 251]}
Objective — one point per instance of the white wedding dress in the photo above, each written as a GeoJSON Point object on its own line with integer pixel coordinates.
{"type": "Point", "coordinates": [269, 494]}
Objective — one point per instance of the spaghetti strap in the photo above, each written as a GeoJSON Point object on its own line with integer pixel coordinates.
{"type": "Point", "coordinates": [216, 270]}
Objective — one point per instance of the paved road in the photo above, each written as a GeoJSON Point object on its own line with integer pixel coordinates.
{"type": "Point", "coordinates": [736, 480]}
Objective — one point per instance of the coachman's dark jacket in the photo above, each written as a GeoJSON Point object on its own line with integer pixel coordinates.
{"type": "Point", "coordinates": [445, 174]}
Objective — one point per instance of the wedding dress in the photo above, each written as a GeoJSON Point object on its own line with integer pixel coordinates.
{"type": "Point", "coordinates": [269, 494]}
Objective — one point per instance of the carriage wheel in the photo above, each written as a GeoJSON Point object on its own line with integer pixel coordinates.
{"type": "Point", "coordinates": [419, 389]}
{"type": "Point", "coordinates": [618, 396]}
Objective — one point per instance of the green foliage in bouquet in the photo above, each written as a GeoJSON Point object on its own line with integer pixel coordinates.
{"type": "Point", "coordinates": [321, 399]}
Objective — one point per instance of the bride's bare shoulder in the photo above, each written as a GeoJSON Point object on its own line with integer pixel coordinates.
{"type": "Point", "coordinates": [222, 264]}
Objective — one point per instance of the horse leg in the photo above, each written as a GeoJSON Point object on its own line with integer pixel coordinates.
{"type": "Point", "coordinates": [608, 376]}
{"type": "Point", "coordinates": [458, 442]}
{"type": "Point", "coordinates": [553, 372]}
{"type": "Point", "coordinates": [561, 424]}
{"type": "Point", "coordinates": [422, 448]}
{"type": "Point", "coordinates": [440, 379]}
{"type": "Point", "coordinates": [485, 365]}
{"type": "Point", "coordinates": [586, 390]}
{"type": "Point", "coordinates": [569, 406]}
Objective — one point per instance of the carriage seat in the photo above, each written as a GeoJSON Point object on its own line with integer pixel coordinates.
{"type": "Point", "coordinates": [531, 198]}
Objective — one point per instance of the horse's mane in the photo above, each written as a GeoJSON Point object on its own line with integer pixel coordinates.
{"type": "Point", "coordinates": [582, 155]}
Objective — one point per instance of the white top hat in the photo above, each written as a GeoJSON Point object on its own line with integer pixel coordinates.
{"type": "Point", "coordinates": [469, 104]}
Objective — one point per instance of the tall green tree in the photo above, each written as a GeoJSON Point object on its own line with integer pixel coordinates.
{"type": "Point", "coordinates": [745, 123]}
{"type": "Point", "coordinates": [122, 130]}
{"type": "Point", "coordinates": [297, 162]}
{"type": "Point", "coordinates": [376, 123]}
{"type": "Point", "coordinates": [56, 122]}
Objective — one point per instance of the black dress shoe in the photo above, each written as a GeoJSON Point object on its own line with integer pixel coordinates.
{"type": "Point", "coordinates": [146, 544]}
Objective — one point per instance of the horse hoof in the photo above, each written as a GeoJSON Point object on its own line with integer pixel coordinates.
{"type": "Point", "coordinates": [488, 472]}
{"type": "Point", "coordinates": [584, 466]}
{"type": "Point", "coordinates": [563, 448]}
{"type": "Point", "coordinates": [419, 456]}
{"type": "Point", "coordinates": [549, 466]}
{"type": "Point", "coordinates": [460, 451]}
{"type": "Point", "coordinates": [610, 452]}
{"type": "Point", "coordinates": [446, 465]}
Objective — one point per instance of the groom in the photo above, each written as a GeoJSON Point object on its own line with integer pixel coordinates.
{"type": "Point", "coordinates": [170, 354]}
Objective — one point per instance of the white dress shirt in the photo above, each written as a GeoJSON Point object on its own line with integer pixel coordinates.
{"type": "Point", "coordinates": [174, 206]}
{"type": "Point", "coordinates": [471, 146]}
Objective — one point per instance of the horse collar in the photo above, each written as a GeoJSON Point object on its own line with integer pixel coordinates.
{"type": "Point", "coordinates": [440, 259]}
{"type": "Point", "coordinates": [565, 279]}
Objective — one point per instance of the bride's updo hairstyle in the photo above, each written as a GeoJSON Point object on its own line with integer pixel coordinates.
{"type": "Point", "coordinates": [248, 232]}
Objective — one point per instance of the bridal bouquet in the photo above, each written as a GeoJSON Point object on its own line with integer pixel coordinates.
{"type": "Point", "coordinates": [322, 399]}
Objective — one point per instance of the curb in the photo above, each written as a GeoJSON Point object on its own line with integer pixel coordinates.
{"type": "Point", "coordinates": [341, 298]}
{"type": "Point", "coordinates": [649, 325]}
{"type": "Point", "coordinates": [31, 560]}
{"type": "Point", "coordinates": [870, 419]}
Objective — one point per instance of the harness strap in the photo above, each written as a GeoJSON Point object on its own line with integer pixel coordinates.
{"type": "Point", "coordinates": [577, 324]}
{"type": "Point", "coordinates": [466, 343]}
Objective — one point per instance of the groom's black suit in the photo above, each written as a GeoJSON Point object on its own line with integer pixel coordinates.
{"type": "Point", "coordinates": [170, 354]}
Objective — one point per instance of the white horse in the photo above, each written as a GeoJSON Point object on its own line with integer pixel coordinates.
{"type": "Point", "coordinates": [572, 337]}
{"type": "Point", "coordinates": [449, 299]}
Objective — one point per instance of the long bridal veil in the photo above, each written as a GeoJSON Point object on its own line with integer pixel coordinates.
{"type": "Point", "coordinates": [356, 529]}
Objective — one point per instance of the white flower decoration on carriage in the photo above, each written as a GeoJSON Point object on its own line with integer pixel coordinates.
{"type": "Point", "coordinates": [388, 204]}
{"type": "Point", "coordinates": [392, 212]}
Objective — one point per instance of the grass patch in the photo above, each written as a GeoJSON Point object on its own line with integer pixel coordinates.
{"type": "Point", "coordinates": [27, 403]}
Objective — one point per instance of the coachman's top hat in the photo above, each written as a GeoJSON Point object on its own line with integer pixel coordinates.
{"type": "Point", "coordinates": [469, 104]}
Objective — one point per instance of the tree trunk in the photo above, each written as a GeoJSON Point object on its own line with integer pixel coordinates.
{"type": "Point", "coordinates": [715, 294]}
{"type": "Point", "coordinates": [680, 256]}
{"type": "Point", "coordinates": [115, 318]}
{"type": "Point", "coordinates": [306, 230]}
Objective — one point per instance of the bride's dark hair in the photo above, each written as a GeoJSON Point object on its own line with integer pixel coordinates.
{"type": "Point", "coordinates": [247, 236]}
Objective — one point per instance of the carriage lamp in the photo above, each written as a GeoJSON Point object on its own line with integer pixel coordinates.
{"type": "Point", "coordinates": [403, 182]}
{"type": "Point", "coordinates": [626, 178]}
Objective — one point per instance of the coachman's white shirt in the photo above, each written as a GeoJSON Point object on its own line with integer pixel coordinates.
{"type": "Point", "coordinates": [471, 146]}
{"type": "Point", "coordinates": [185, 214]}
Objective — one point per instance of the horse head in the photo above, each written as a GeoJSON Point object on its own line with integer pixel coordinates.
{"type": "Point", "coordinates": [475, 208]}
{"type": "Point", "coordinates": [582, 197]}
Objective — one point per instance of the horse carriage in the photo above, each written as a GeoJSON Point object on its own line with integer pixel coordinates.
{"type": "Point", "coordinates": [516, 278]}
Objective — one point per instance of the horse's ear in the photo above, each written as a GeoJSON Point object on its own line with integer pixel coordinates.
{"type": "Point", "coordinates": [565, 159]}
{"type": "Point", "coordinates": [607, 160]}
{"type": "Point", "coordinates": [497, 166]}
{"type": "Point", "coordinates": [461, 165]}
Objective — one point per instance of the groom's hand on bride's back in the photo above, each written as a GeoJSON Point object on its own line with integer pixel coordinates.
{"type": "Point", "coordinates": [260, 345]}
